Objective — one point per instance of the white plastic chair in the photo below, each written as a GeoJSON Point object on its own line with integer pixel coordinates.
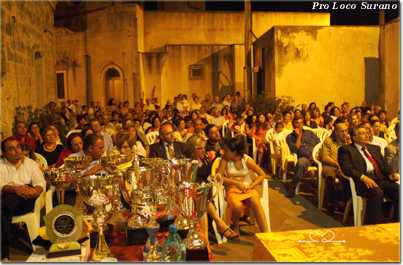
{"type": "Point", "coordinates": [359, 203]}
{"type": "Point", "coordinates": [49, 199]}
{"type": "Point", "coordinates": [152, 137]}
{"type": "Point", "coordinates": [254, 149]}
{"type": "Point", "coordinates": [322, 133]}
{"type": "Point", "coordinates": [219, 201]}
{"type": "Point", "coordinates": [146, 125]}
{"type": "Point", "coordinates": [72, 131]}
{"type": "Point", "coordinates": [264, 200]}
{"type": "Point", "coordinates": [321, 186]}
{"type": "Point", "coordinates": [43, 164]}
{"type": "Point", "coordinates": [32, 219]}
{"type": "Point", "coordinates": [225, 129]}
{"type": "Point", "coordinates": [274, 156]}
{"type": "Point", "coordinates": [222, 204]}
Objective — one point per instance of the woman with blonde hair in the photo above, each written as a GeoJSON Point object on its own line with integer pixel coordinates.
{"type": "Point", "coordinates": [198, 151]}
{"type": "Point", "coordinates": [50, 149]}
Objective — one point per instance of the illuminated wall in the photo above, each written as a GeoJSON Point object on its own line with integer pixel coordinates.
{"type": "Point", "coordinates": [27, 57]}
{"type": "Point", "coordinates": [112, 41]}
{"type": "Point", "coordinates": [70, 59]}
{"type": "Point", "coordinates": [215, 27]}
{"type": "Point", "coordinates": [194, 29]}
{"type": "Point", "coordinates": [392, 68]}
{"type": "Point", "coordinates": [139, 43]}
{"type": "Point", "coordinates": [324, 64]}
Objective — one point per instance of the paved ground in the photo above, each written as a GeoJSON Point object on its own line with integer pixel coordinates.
{"type": "Point", "coordinates": [285, 214]}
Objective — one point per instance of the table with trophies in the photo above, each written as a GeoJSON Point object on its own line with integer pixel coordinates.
{"type": "Point", "coordinates": [144, 209]}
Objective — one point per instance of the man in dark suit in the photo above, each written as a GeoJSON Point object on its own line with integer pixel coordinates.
{"type": "Point", "coordinates": [167, 148]}
{"type": "Point", "coordinates": [364, 163]}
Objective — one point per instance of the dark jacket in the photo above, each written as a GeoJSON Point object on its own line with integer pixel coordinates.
{"type": "Point", "coordinates": [353, 165]}
{"type": "Point", "coordinates": [159, 150]}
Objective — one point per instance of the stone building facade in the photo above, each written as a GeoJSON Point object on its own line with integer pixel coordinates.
{"type": "Point", "coordinates": [117, 49]}
{"type": "Point", "coordinates": [155, 52]}
{"type": "Point", "coordinates": [27, 57]}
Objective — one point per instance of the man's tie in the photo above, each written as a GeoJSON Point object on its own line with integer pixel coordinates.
{"type": "Point", "coordinates": [378, 172]}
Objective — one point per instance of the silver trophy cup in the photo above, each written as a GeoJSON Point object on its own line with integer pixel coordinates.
{"type": "Point", "coordinates": [192, 201]}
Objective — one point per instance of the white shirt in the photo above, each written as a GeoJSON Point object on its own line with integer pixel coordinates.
{"type": "Point", "coordinates": [370, 167]}
{"type": "Point", "coordinates": [92, 164]}
{"type": "Point", "coordinates": [379, 141]}
{"type": "Point", "coordinates": [27, 173]}
{"type": "Point", "coordinates": [195, 106]}
{"type": "Point", "coordinates": [107, 141]}
{"type": "Point", "coordinates": [139, 149]}
{"type": "Point", "coordinates": [209, 118]}
{"type": "Point", "coordinates": [150, 107]}
{"type": "Point", "coordinates": [78, 154]}
{"type": "Point", "coordinates": [218, 121]}
{"type": "Point", "coordinates": [185, 104]}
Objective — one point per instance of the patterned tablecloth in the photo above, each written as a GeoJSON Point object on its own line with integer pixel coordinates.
{"type": "Point", "coordinates": [372, 243]}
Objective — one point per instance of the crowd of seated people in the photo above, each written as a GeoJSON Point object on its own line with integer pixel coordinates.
{"type": "Point", "coordinates": [227, 128]}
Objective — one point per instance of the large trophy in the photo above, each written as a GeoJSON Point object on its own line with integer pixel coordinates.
{"type": "Point", "coordinates": [98, 192]}
{"type": "Point", "coordinates": [193, 200]}
{"type": "Point", "coordinates": [164, 189]}
{"type": "Point", "coordinates": [61, 179]}
{"type": "Point", "coordinates": [182, 172]}
{"type": "Point", "coordinates": [136, 189]}
{"type": "Point", "coordinates": [75, 165]}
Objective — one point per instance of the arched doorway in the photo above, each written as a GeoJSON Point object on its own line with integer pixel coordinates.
{"type": "Point", "coordinates": [114, 84]}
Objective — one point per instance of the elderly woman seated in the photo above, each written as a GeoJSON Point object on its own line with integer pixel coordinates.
{"type": "Point", "coordinates": [197, 145]}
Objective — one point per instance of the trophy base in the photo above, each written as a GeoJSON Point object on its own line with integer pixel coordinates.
{"type": "Point", "coordinates": [183, 233]}
{"type": "Point", "coordinates": [165, 222]}
{"type": "Point", "coordinates": [136, 236]}
{"type": "Point", "coordinates": [94, 239]}
{"type": "Point", "coordinates": [58, 250]}
{"type": "Point", "coordinates": [197, 254]}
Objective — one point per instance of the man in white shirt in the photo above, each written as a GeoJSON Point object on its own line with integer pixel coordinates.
{"type": "Point", "coordinates": [218, 120]}
{"type": "Point", "coordinates": [93, 148]}
{"type": "Point", "coordinates": [97, 128]}
{"type": "Point", "coordinates": [21, 182]}
{"type": "Point", "coordinates": [185, 103]}
{"type": "Point", "coordinates": [195, 103]}
{"type": "Point", "coordinates": [376, 140]}
{"type": "Point", "coordinates": [149, 105]}
{"type": "Point", "coordinates": [217, 103]}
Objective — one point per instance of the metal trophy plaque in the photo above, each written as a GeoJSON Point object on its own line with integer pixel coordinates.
{"type": "Point", "coordinates": [63, 228]}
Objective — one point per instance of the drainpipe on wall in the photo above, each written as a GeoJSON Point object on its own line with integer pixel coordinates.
{"type": "Point", "coordinates": [381, 51]}
{"type": "Point", "coordinates": [247, 45]}
{"type": "Point", "coordinates": [87, 61]}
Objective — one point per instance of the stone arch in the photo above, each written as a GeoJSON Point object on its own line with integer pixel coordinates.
{"type": "Point", "coordinates": [112, 77]}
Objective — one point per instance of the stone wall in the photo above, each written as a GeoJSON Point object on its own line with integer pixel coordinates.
{"type": "Point", "coordinates": [109, 41]}
{"type": "Point", "coordinates": [70, 58]}
{"type": "Point", "coordinates": [139, 42]}
{"type": "Point", "coordinates": [27, 57]}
